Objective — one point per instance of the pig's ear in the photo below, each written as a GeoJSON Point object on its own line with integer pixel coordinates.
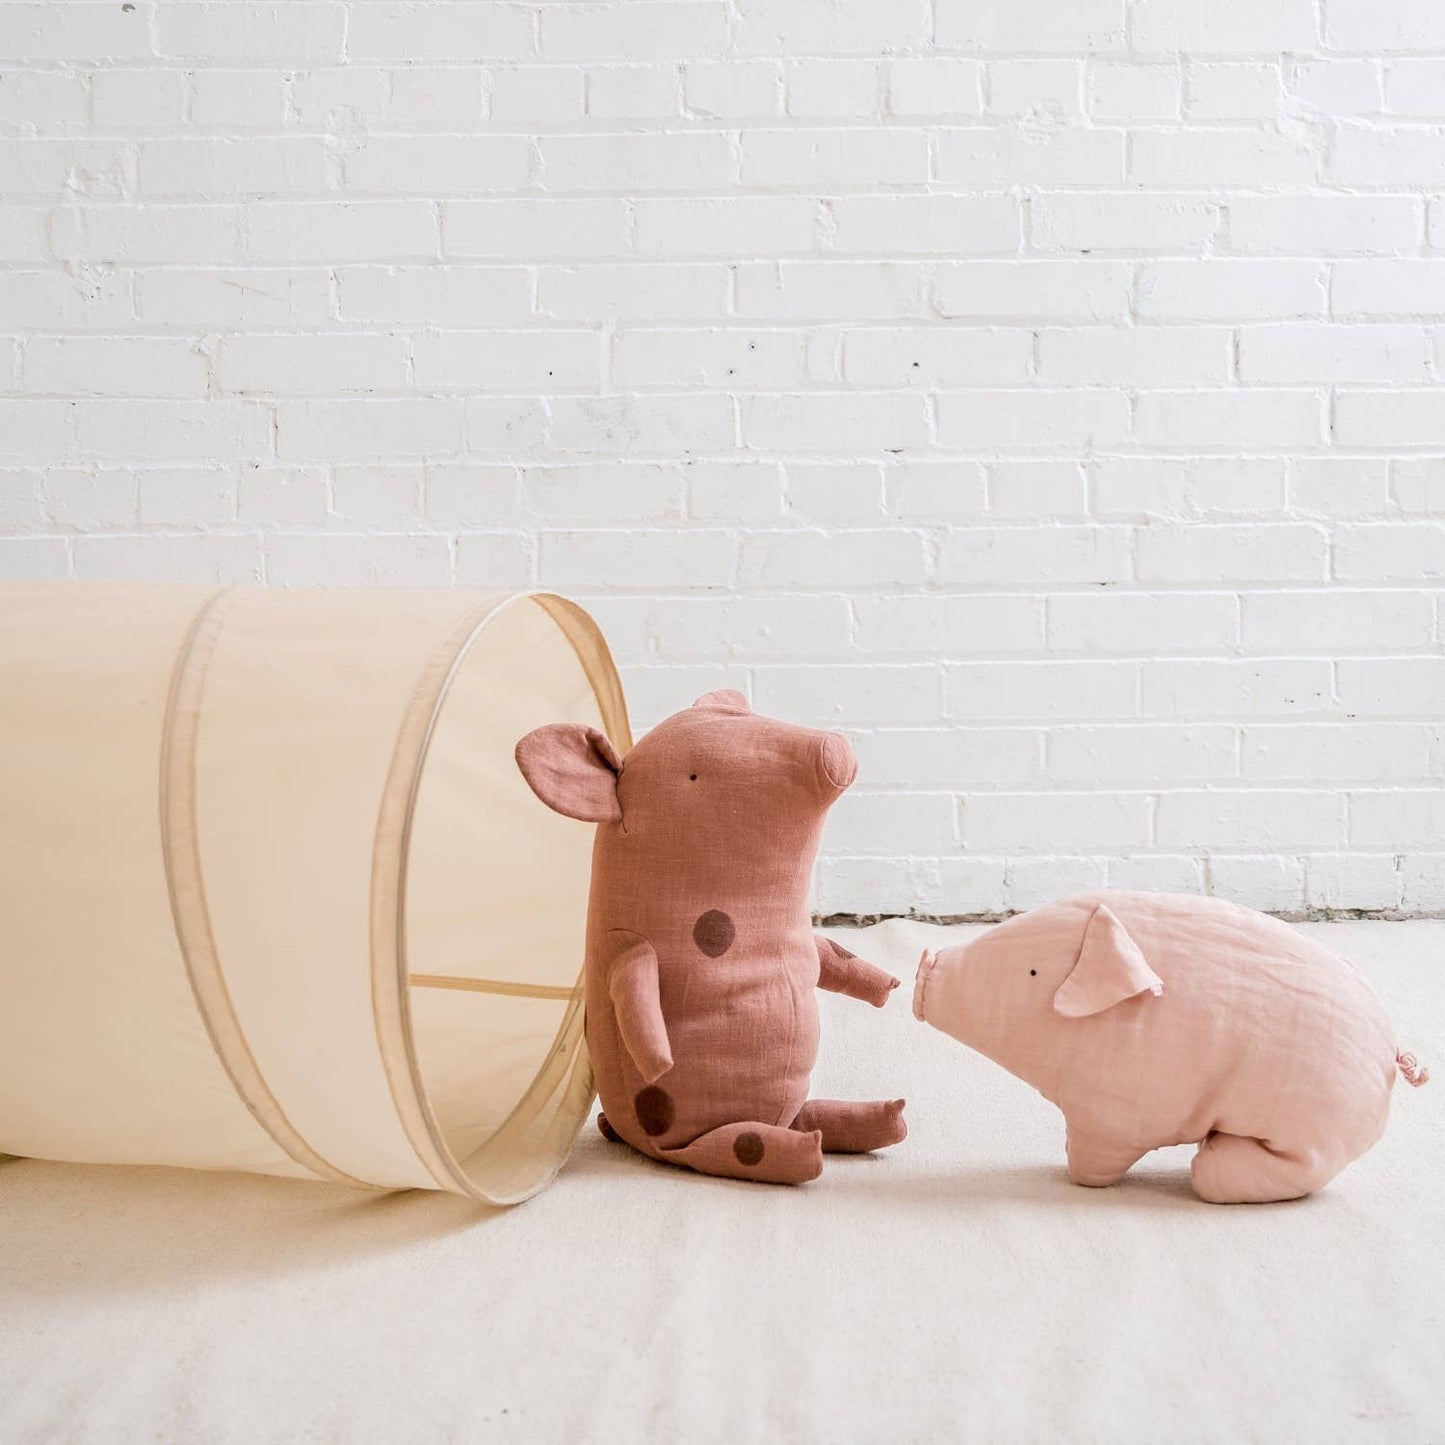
{"type": "Point", "coordinates": [1109, 969]}
{"type": "Point", "coordinates": [725, 699]}
{"type": "Point", "coordinates": [573, 769]}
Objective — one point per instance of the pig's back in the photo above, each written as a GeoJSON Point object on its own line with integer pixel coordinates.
{"type": "Point", "coordinates": [1276, 1037]}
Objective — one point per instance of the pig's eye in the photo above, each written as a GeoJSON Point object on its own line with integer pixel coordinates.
{"type": "Point", "coordinates": [692, 777]}
{"type": "Point", "coordinates": [1033, 973]}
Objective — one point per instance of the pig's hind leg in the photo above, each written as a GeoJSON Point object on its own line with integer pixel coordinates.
{"type": "Point", "coordinates": [753, 1151]}
{"type": "Point", "coordinates": [1230, 1169]}
{"type": "Point", "coordinates": [850, 1127]}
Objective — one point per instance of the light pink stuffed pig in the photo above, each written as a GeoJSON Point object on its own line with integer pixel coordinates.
{"type": "Point", "coordinates": [1153, 1019]}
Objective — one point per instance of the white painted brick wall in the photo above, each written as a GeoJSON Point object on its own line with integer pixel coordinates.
{"type": "Point", "coordinates": [1051, 394]}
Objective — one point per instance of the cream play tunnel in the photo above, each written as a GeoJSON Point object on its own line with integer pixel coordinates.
{"type": "Point", "coordinates": [273, 895]}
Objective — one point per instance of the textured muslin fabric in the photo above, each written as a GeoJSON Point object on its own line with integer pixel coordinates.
{"type": "Point", "coordinates": [702, 963]}
{"type": "Point", "coordinates": [1153, 1019]}
{"type": "Point", "coordinates": [272, 895]}
{"type": "Point", "coordinates": [957, 1287]}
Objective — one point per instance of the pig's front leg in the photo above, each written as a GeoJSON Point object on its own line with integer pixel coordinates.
{"type": "Point", "coordinates": [842, 972]}
{"type": "Point", "coordinates": [1097, 1161]}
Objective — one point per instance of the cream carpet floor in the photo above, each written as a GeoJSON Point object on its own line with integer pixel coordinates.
{"type": "Point", "coordinates": [956, 1287]}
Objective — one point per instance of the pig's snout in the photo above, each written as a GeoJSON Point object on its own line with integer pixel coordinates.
{"type": "Point", "coordinates": [839, 761]}
{"type": "Point", "coordinates": [926, 965]}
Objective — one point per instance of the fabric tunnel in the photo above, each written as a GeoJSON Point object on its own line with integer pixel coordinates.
{"type": "Point", "coordinates": [273, 894]}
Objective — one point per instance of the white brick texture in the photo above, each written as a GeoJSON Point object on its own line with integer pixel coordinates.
{"type": "Point", "coordinates": [1049, 394]}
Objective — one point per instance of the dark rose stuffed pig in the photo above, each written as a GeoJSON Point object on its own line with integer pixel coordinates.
{"type": "Point", "coordinates": [702, 1021]}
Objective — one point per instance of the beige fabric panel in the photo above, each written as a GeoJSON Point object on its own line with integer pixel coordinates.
{"type": "Point", "coordinates": [497, 884]}
{"type": "Point", "coordinates": [303, 699]}
{"type": "Point", "coordinates": [103, 1054]}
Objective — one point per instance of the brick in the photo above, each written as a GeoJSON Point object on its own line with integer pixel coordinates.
{"type": "Point", "coordinates": [191, 497]}
{"type": "Point", "coordinates": [818, 421]}
{"type": "Point", "coordinates": [303, 231]}
{"type": "Point", "coordinates": [1017, 291]}
{"type": "Point", "coordinates": [1324, 225]}
{"type": "Point", "coordinates": [1391, 686]}
{"type": "Point", "coordinates": [536, 93]}
{"type": "Point", "coordinates": [1282, 355]}
{"type": "Point", "coordinates": [635, 492]}
{"type": "Point", "coordinates": [1157, 873]}
{"type": "Point", "coordinates": [1124, 90]}
{"type": "Point", "coordinates": [454, 165]}
{"type": "Point", "coordinates": [1033, 882]}
{"type": "Point", "coordinates": [451, 295]}
{"type": "Point", "coordinates": [836, 493]}
{"type": "Point", "coordinates": [831, 27]}
{"type": "Point", "coordinates": [1230, 688]}
{"type": "Point", "coordinates": [634, 92]}
{"type": "Point", "coordinates": [937, 491]}
{"type": "Point", "coordinates": [1239, 159]}
{"type": "Point", "coordinates": [1224, 27]}
{"type": "Point", "coordinates": [1149, 755]}
{"type": "Point", "coordinates": [724, 226]}
{"type": "Point", "coordinates": [870, 823]}
{"type": "Point", "coordinates": [134, 99]}
{"type": "Point", "coordinates": [1114, 221]}
{"type": "Point", "coordinates": [1367, 882]}
{"type": "Point", "coordinates": [1230, 290]}
{"type": "Point", "coordinates": [1335, 87]}
{"type": "Point", "coordinates": [34, 559]}
{"type": "Point", "coordinates": [1207, 553]}
{"type": "Point", "coordinates": [676, 162]}
{"type": "Point", "coordinates": [193, 235]}
{"type": "Point", "coordinates": [734, 491]}
{"type": "Point", "coordinates": [998, 157]}
{"type": "Point", "coordinates": [1353, 752]}
{"type": "Point", "coordinates": [209, 431]}
{"type": "Point", "coordinates": [1390, 418]}
{"type": "Point", "coordinates": [1186, 421]}
{"type": "Point", "coordinates": [833, 89]}
{"type": "Point", "coordinates": [467, 31]}
{"type": "Point", "coordinates": [1040, 691]}
{"type": "Point", "coordinates": [357, 430]}
{"type": "Point", "coordinates": [827, 290]}
{"type": "Point", "coordinates": [1032, 822]}
{"type": "Point", "coordinates": [1031, 25]}
{"type": "Point", "coordinates": [644, 291]}
{"type": "Point", "coordinates": [1339, 486]}
{"type": "Point", "coordinates": [1336, 621]}
{"type": "Point", "coordinates": [200, 557]}
{"type": "Point", "coordinates": [1037, 490]}
{"type": "Point", "coordinates": [1135, 356]}
{"type": "Point", "coordinates": [1382, 288]}
{"type": "Point", "coordinates": [288, 364]}
{"type": "Point", "coordinates": [1233, 91]}
{"type": "Point", "coordinates": [903, 225]}
{"type": "Point", "coordinates": [1142, 623]}
{"type": "Point", "coordinates": [1399, 552]}
{"type": "Point", "coordinates": [948, 757]}
{"type": "Point", "coordinates": [374, 560]}
{"type": "Point", "coordinates": [75, 32]}
{"type": "Point", "coordinates": [233, 299]}
{"type": "Point", "coordinates": [838, 561]}
{"type": "Point", "coordinates": [615, 561]}
{"type": "Point", "coordinates": [1396, 25]}
{"type": "Point", "coordinates": [508, 361]}
{"type": "Point", "coordinates": [194, 167]}
{"type": "Point", "coordinates": [1417, 484]}
{"type": "Point", "coordinates": [934, 85]}
{"type": "Point", "coordinates": [1249, 820]}
{"type": "Point", "coordinates": [50, 98]}
{"type": "Point", "coordinates": [936, 356]}
{"type": "Point", "coordinates": [731, 89]}
{"type": "Point", "coordinates": [1067, 421]}
{"type": "Point", "coordinates": [438, 99]}
{"type": "Point", "coordinates": [642, 30]}
{"type": "Point", "coordinates": [1013, 556]}
{"type": "Point", "coordinates": [495, 560]}
{"type": "Point", "coordinates": [1399, 157]}
{"type": "Point", "coordinates": [282, 496]}
{"type": "Point", "coordinates": [689, 358]}
{"type": "Point", "coordinates": [779, 159]}
{"type": "Point", "coordinates": [623, 425]}
{"type": "Point", "coordinates": [942, 625]}
{"type": "Point", "coordinates": [838, 696]}
{"type": "Point", "coordinates": [1412, 88]}
{"type": "Point", "coordinates": [113, 366]}
{"type": "Point", "coordinates": [1271, 884]}
{"type": "Point", "coordinates": [257, 32]}
{"type": "Point", "coordinates": [1036, 88]}
{"type": "Point", "coordinates": [796, 627]}
{"type": "Point", "coordinates": [531, 230]}
{"type": "Point", "coordinates": [1398, 820]}
{"type": "Point", "coordinates": [237, 99]}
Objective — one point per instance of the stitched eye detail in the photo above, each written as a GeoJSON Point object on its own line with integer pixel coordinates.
{"type": "Point", "coordinates": [1033, 973]}
{"type": "Point", "coordinates": [692, 777]}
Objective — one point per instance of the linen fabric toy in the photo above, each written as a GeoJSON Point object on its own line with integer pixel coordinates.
{"type": "Point", "coordinates": [702, 1022]}
{"type": "Point", "coordinates": [1153, 1019]}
